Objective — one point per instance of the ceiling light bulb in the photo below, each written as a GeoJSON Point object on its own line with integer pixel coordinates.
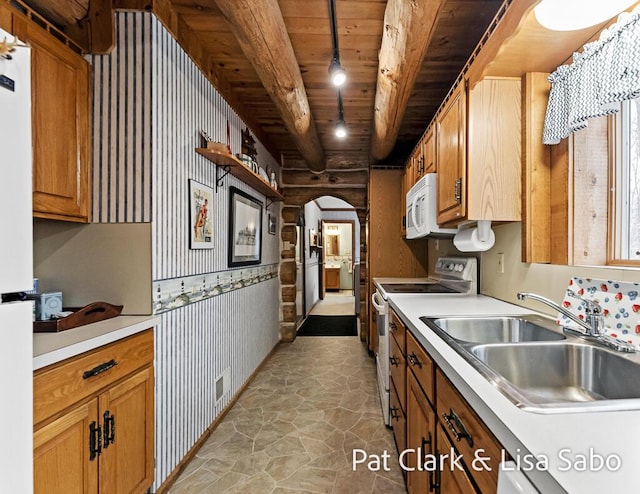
{"type": "Point", "coordinates": [337, 73]}
{"type": "Point", "coordinates": [570, 15]}
{"type": "Point", "coordinates": [341, 129]}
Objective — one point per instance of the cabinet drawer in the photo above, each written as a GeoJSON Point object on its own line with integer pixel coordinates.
{"type": "Point", "coordinates": [398, 367]}
{"type": "Point", "coordinates": [457, 418]}
{"type": "Point", "coordinates": [398, 330]}
{"type": "Point", "coordinates": [61, 385]}
{"type": "Point", "coordinates": [422, 366]}
{"type": "Point", "coordinates": [398, 420]}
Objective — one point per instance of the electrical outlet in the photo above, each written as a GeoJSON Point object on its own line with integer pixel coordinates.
{"type": "Point", "coordinates": [501, 262]}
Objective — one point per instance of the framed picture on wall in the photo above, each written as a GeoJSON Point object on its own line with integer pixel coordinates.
{"type": "Point", "coordinates": [313, 238]}
{"type": "Point", "coordinates": [200, 217]}
{"type": "Point", "coordinates": [245, 229]}
{"type": "Point", "coordinates": [272, 224]}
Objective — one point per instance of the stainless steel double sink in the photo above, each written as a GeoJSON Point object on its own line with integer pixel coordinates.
{"type": "Point", "coordinates": [540, 369]}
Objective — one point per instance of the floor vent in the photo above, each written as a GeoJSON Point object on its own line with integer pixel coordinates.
{"type": "Point", "coordinates": [223, 383]}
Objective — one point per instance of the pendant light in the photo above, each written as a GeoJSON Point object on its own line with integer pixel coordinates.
{"type": "Point", "coordinates": [570, 15]}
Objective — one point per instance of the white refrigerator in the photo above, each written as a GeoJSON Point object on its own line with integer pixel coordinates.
{"type": "Point", "coordinates": [16, 271]}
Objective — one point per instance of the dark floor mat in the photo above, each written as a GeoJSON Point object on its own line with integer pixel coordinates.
{"type": "Point", "coordinates": [329, 326]}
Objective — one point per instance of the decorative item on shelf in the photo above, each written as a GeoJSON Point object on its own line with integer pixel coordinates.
{"type": "Point", "coordinates": [201, 230]}
{"type": "Point", "coordinates": [245, 229]}
{"type": "Point", "coordinates": [248, 144]}
{"type": "Point", "coordinates": [273, 181]}
{"type": "Point", "coordinates": [94, 312]}
{"type": "Point", "coordinates": [263, 174]}
{"type": "Point", "coordinates": [313, 238]}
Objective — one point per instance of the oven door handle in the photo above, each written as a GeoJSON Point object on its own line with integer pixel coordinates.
{"type": "Point", "coordinates": [376, 303]}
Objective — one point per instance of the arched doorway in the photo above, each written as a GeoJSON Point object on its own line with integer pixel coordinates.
{"type": "Point", "coordinates": [299, 232]}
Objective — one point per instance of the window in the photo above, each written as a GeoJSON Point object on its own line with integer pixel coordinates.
{"type": "Point", "coordinates": [625, 176]}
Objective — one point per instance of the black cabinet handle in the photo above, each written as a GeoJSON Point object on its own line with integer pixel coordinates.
{"type": "Point", "coordinates": [414, 360]}
{"type": "Point", "coordinates": [423, 447]}
{"type": "Point", "coordinates": [392, 326]}
{"type": "Point", "coordinates": [394, 413]}
{"type": "Point", "coordinates": [395, 361]}
{"type": "Point", "coordinates": [99, 369]}
{"type": "Point", "coordinates": [457, 427]}
{"type": "Point", "coordinates": [95, 441]}
{"type": "Point", "coordinates": [109, 429]}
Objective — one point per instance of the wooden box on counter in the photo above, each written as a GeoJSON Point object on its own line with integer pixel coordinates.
{"type": "Point", "coordinates": [94, 312]}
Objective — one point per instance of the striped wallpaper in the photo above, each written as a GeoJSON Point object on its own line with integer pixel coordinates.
{"type": "Point", "coordinates": [150, 102]}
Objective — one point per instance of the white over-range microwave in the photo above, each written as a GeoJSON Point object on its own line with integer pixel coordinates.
{"type": "Point", "coordinates": [422, 212]}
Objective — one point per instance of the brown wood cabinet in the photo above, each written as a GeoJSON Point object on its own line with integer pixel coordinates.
{"type": "Point", "coordinates": [94, 420]}
{"type": "Point", "coordinates": [451, 155]}
{"type": "Point", "coordinates": [438, 421]}
{"type": "Point", "coordinates": [60, 80]}
{"type": "Point", "coordinates": [478, 152]}
{"type": "Point", "coordinates": [429, 150]}
{"type": "Point", "coordinates": [332, 278]}
{"type": "Point", "coordinates": [421, 429]}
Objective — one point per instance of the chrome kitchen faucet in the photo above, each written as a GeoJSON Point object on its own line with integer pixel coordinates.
{"type": "Point", "coordinates": [593, 326]}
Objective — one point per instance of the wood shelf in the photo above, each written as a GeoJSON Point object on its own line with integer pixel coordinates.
{"type": "Point", "coordinates": [234, 166]}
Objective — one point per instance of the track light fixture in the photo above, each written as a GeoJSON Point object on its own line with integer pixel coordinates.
{"type": "Point", "coordinates": [336, 72]}
{"type": "Point", "coordinates": [341, 126]}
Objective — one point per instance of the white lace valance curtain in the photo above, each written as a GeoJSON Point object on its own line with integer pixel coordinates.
{"type": "Point", "coordinates": [605, 73]}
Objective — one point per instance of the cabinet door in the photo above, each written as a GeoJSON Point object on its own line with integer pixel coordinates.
{"type": "Point", "coordinates": [451, 157]}
{"type": "Point", "coordinates": [421, 423]}
{"type": "Point", "coordinates": [126, 410]}
{"type": "Point", "coordinates": [61, 137]}
{"type": "Point", "coordinates": [429, 151]}
{"type": "Point", "coordinates": [61, 456]}
{"type": "Point", "coordinates": [451, 480]}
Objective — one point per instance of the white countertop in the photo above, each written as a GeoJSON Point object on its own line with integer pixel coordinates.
{"type": "Point", "coordinates": [50, 348]}
{"type": "Point", "coordinates": [519, 431]}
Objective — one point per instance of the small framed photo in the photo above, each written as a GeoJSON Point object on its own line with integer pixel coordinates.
{"type": "Point", "coordinates": [245, 229]}
{"type": "Point", "coordinates": [272, 224]}
{"type": "Point", "coordinates": [200, 217]}
{"type": "Point", "coordinates": [313, 238]}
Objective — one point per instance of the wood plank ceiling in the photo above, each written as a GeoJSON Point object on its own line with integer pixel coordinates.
{"type": "Point", "coordinates": [459, 26]}
{"type": "Point", "coordinates": [213, 43]}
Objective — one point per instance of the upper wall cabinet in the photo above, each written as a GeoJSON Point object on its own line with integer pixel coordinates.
{"type": "Point", "coordinates": [478, 151]}
{"type": "Point", "coordinates": [60, 81]}
{"type": "Point", "coordinates": [451, 156]}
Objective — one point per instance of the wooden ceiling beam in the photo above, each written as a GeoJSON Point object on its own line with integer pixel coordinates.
{"type": "Point", "coordinates": [408, 29]}
{"type": "Point", "coordinates": [261, 32]}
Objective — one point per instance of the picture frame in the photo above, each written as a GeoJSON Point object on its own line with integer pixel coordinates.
{"type": "Point", "coordinates": [271, 224]}
{"type": "Point", "coordinates": [245, 229]}
{"type": "Point", "coordinates": [200, 216]}
{"type": "Point", "coordinates": [313, 238]}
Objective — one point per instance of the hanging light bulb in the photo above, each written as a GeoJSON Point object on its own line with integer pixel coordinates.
{"type": "Point", "coordinates": [570, 15]}
{"type": "Point", "coordinates": [337, 73]}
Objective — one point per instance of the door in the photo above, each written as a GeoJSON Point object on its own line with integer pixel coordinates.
{"type": "Point", "coordinates": [451, 156]}
{"type": "Point", "coordinates": [16, 411]}
{"type": "Point", "coordinates": [421, 424]}
{"type": "Point", "coordinates": [61, 141]}
{"type": "Point", "coordinates": [451, 480]}
{"type": "Point", "coordinates": [62, 458]}
{"type": "Point", "coordinates": [126, 410]}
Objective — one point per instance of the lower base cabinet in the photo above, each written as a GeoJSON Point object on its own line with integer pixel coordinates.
{"type": "Point", "coordinates": [441, 424]}
{"type": "Point", "coordinates": [104, 441]}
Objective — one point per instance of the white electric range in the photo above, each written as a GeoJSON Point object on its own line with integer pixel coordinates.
{"type": "Point", "coordinates": [453, 276]}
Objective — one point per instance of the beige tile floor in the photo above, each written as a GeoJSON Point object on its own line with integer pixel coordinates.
{"type": "Point", "coordinates": [340, 303]}
{"type": "Point", "coordinates": [295, 427]}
